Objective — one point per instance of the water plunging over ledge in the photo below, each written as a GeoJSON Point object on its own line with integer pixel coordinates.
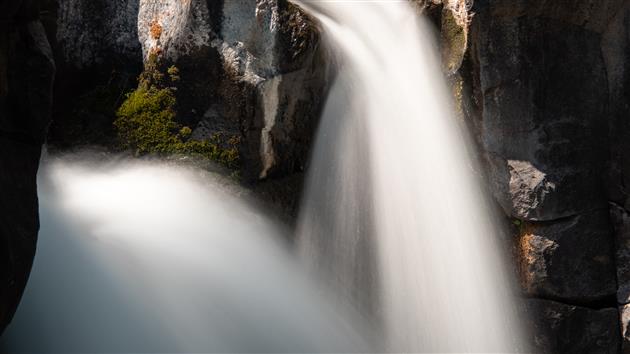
{"type": "Point", "coordinates": [138, 256]}
{"type": "Point", "coordinates": [393, 216]}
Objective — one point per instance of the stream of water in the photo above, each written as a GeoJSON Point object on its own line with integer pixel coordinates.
{"type": "Point", "coordinates": [394, 217]}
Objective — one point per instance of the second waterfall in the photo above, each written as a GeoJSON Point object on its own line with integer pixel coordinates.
{"type": "Point", "coordinates": [393, 217]}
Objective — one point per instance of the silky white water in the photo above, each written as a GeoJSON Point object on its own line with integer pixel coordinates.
{"type": "Point", "coordinates": [154, 257]}
{"type": "Point", "coordinates": [138, 256]}
{"type": "Point", "coordinates": [393, 216]}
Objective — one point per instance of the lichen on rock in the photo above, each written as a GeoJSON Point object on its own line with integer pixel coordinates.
{"type": "Point", "coordinates": [175, 27]}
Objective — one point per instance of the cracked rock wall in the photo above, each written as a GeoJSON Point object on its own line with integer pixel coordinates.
{"type": "Point", "coordinates": [548, 94]}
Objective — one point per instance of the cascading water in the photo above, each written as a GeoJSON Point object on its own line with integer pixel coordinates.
{"type": "Point", "coordinates": [154, 257]}
{"type": "Point", "coordinates": [393, 215]}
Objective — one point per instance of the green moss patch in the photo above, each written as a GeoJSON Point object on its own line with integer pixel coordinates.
{"type": "Point", "coordinates": [146, 122]}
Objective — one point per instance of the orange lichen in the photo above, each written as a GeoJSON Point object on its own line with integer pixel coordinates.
{"type": "Point", "coordinates": [525, 253]}
{"type": "Point", "coordinates": [155, 29]}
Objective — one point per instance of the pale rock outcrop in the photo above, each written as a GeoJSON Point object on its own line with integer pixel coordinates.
{"type": "Point", "coordinates": [233, 58]}
{"type": "Point", "coordinates": [176, 27]}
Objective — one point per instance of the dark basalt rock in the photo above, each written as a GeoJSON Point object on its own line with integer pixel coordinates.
{"type": "Point", "coordinates": [549, 90]}
{"type": "Point", "coordinates": [616, 52]}
{"type": "Point", "coordinates": [26, 77]}
{"type": "Point", "coordinates": [543, 91]}
{"type": "Point", "coordinates": [570, 260]}
{"type": "Point", "coordinates": [559, 328]}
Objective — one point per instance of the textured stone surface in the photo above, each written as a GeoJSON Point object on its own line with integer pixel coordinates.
{"type": "Point", "coordinates": [26, 76]}
{"type": "Point", "coordinates": [177, 27]}
{"type": "Point", "coordinates": [543, 91]}
{"type": "Point", "coordinates": [273, 84]}
{"type": "Point", "coordinates": [549, 98]}
{"type": "Point", "coordinates": [571, 260]}
{"type": "Point", "coordinates": [97, 31]}
{"type": "Point", "coordinates": [560, 328]}
{"type": "Point", "coordinates": [616, 52]}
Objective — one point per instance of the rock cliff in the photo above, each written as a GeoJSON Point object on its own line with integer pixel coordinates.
{"type": "Point", "coordinates": [26, 76]}
{"type": "Point", "coordinates": [548, 89]}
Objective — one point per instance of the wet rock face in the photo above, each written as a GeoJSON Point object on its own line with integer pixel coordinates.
{"type": "Point", "coordinates": [550, 107]}
{"type": "Point", "coordinates": [26, 77]}
{"type": "Point", "coordinates": [560, 328]}
{"type": "Point", "coordinates": [543, 84]}
{"type": "Point", "coordinates": [570, 259]}
{"type": "Point", "coordinates": [616, 51]}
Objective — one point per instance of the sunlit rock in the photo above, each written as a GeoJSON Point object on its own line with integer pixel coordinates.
{"type": "Point", "coordinates": [528, 187]}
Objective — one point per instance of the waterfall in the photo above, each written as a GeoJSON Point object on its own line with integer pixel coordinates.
{"type": "Point", "coordinates": [148, 256]}
{"type": "Point", "coordinates": [393, 216]}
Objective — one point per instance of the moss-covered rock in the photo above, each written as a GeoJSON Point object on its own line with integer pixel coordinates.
{"type": "Point", "coordinates": [146, 121]}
